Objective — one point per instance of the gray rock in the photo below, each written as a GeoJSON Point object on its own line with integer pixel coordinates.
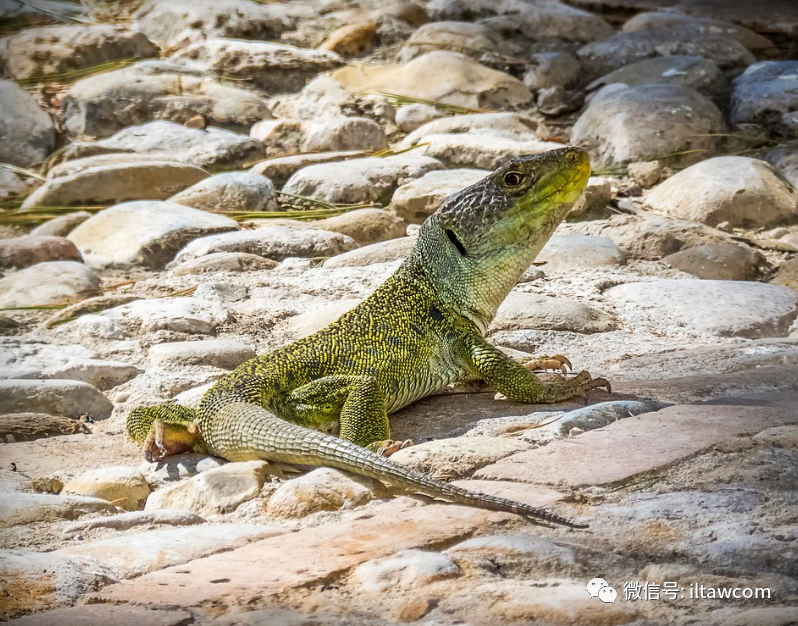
{"type": "Point", "coordinates": [767, 93]}
{"type": "Point", "coordinates": [185, 315]}
{"type": "Point", "coordinates": [723, 261]}
{"type": "Point", "coordinates": [147, 233]}
{"type": "Point", "coordinates": [274, 67]}
{"type": "Point", "coordinates": [322, 97]}
{"type": "Point", "coordinates": [231, 191]}
{"type": "Point", "coordinates": [625, 48]}
{"type": "Point", "coordinates": [30, 508]}
{"type": "Point", "coordinates": [274, 242]}
{"type": "Point", "coordinates": [60, 226]}
{"type": "Point", "coordinates": [178, 467]}
{"type": "Point", "coordinates": [32, 249]}
{"type": "Point", "coordinates": [224, 353]}
{"type": "Point", "coordinates": [104, 614]}
{"type": "Point", "coordinates": [280, 169]}
{"type": "Point", "coordinates": [365, 226]}
{"type": "Point", "coordinates": [323, 489]}
{"type": "Point", "coordinates": [600, 415]}
{"type": "Point", "coordinates": [343, 134]}
{"type": "Point", "coordinates": [742, 191]}
{"type": "Point", "coordinates": [787, 274]}
{"type": "Point", "coordinates": [281, 137]}
{"type": "Point", "coordinates": [552, 69]}
{"type": "Point", "coordinates": [722, 308]}
{"type": "Point", "coordinates": [417, 200]}
{"type": "Point", "coordinates": [766, 616]}
{"type": "Point", "coordinates": [100, 105]}
{"type": "Point", "coordinates": [27, 134]}
{"type": "Point", "coordinates": [563, 253]}
{"type": "Point", "coordinates": [125, 487]}
{"type": "Point", "coordinates": [173, 24]}
{"type": "Point", "coordinates": [623, 124]}
{"type": "Point", "coordinates": [219, 490]}
{"type": "Point", "coordinates": [126, 521]}
{"type": "Point", "coordinates": [689, 71]}
{"type": "Point", "coordinates": [508, 552]}
{"type": "Point", "coordinates": [371, 179]}
{"type": "Point", "coordinates": [382, 252]}
{"type": "Point", "coordinates": [224, 262]}
{"type": "Point", "coordinates": [71, 398]}
{"type": "Point", "coordinates": [119, 182]}
{"type": "Point", "coordinates": [212, 149]}
{"type": "Point", "coordinates": [53, 282]}
{"type": "Point", "coordinates": [413, 116]}
{"type": "Point", "coordinates": [507, 125]}
{"type": "Point", "coordinates": [785, 159]}
{"type": "Point", "coordinates": [36, 52]}
{"type": "Point", "coordinates": [523, 311]}
{"type": "Point", "coordinates": [32, 426]}
{"type": "Point", "coordinates": [407, 569]}
{"type": "Point", "coordinates": [475, 40]}
{"type": "Point", "coordinates": [478, 150]}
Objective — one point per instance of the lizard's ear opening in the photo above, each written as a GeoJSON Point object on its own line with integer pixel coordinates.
{"type": "Point", "coordinates": [456, 242]}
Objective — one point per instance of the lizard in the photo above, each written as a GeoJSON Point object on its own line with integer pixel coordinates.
{"type": "Point", "coordinates": [422, 329]}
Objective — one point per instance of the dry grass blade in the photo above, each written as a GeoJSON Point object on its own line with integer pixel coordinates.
{"type": "Point", "coordinates": [22, 171]}
{"type": "Point", "coordinates": [72, 76]}
{"type": "Point", "coordinates": [388, 152]}
{"type": "Point", "coordinates": [38, 214]}
{"type": "Point", "coordinates": [55, 14]}
{"type": "Point", "coordinates": [453, 109]}
{"type": "Point", "coordinates": [180, 293]}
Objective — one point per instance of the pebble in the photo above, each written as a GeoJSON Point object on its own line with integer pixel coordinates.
{"type": "Point", "coordinates": [32, 426]}
{"type": "Point", "coordinates": [27, 134]}
{"type": "Point", "coordinates": [767, 93]}
{"type": "Point", "coordinates": [145, 233]}
{"type": "Point", "coordinates": [365, 226]}
{"type": "Point", "coordinates": [564, 253]}
{"type": "Point", "coordinates": [224, 353]}
{"type": "Point", "coordinates": [231, 191]}
{"type": "Point", "coordinates": [31, 249]}
{"type": "Point", "coordinates": [508, 125]}
{"type": "Point", "coordinates": [343, 134]}
{"type": "Point", "coordinates": [124, 487]}
{"type": "Point", "coordinates": [787, 274]}
{"type": "Point", "coordinates": [416, 200]}
{"type": "Point", "coordinates": [523, 311]}
{"type": "Point", "coordinates": [53, 282]}
{"type": "Point", "coordinates": [459, 150]}
{"type": "Point", "coordinates": [178, 467]}
{"type": "Point", "coordinates": [722, 261]}
{"type": "Point", "coordinates": [413, 116]}
{"type": "Point", "coordinates": [381, 252]}
{"type": "Point", "coordinates": [740, 191]}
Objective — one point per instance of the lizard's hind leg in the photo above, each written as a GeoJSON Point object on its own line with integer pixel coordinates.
{"type": "Point", "coordinates": [164, 430]}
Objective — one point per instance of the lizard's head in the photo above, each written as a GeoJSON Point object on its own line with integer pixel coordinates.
{"type": "Point", "coordinates": [484, 237]}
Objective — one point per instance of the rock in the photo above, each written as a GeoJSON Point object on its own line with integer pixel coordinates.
{"type": "Point", "coordinates": [184, 315]}
{"type": "Point", "coordinates": [280, 169]}
{"type": "Point", "coordinates": [219, 490]}
{"type": "Point", "coordinates": [382, 252]}
{"type": "Point", "coordinates": [178, 467]}
{"type": "Point", "coordinates": [305, 324]}
{"type": "Point", "coordinates": [274, 242]}
{"type": "Point", "coordinates": [60, 226]}
{"type": "Point", "coordinates": [224, 353]}
{"type": "Point", "coordinates": [449, 459]}
{"type": "Point", "coordinates": [371, 179]}
{"type": "Point", "coordinates": [507, 125]}
{"type": "Point", "coordinates": [767, 94]}
{"type": "Point", "coordinates": [173, 24]}
{"type": "Point", "coordinates": [415, 201]}
{"type": "Point", "coordinates": [475, 40]}
{"type": "Point", "coordinates": [785, 160]}
{"type": "Point", "coordinates": [100, 105]}
{"type": "Point", "coordinates": [407, 569]}
{"type": "Point", "coordinates": [787, 275]}
{"type": "Point", "coordinates": [71, 398]}
{"type": "Point", "coordinates": [119, 182]}
{"type": "Point", "coordinates": [323, 489]}
{"type": "Point", "coordinates": [224, 262]}
{"type": "Point", "coordinates": [478, 150]}
{"type": "Point", "coordinates": [507, 553]}
{"type": "Point", "coordinates": [365, 226]}
{"type": "Point", "coordinates": [688, 71]}
{"type": "Point", "coordinates": [645, 173]}
{"type": "Point", "coordinates": [147, 233]}
{"type": "Point", "coordinates": [458, 81]}
{"type": "Point", "coordinates": [623, 124]}
{"type": "Point", "coordinates": [599, 415]}
{"type": "Point", "coordinates": [32, 249]}
{"type": "Point", "coordinates": [413, 116]}
{"type": "Point", "coordinates": [34, 581]}
{"type": "Point", "coordinates": [552, 69]}
{"type": "Point", "coordinates": [231, 191]}
{"type": "Point", "coordinates": [30, 508]}
{"type": "Point", "coordinates": [563, 253]}
{"type": "Point", "coordinates": [105, 614]}
{"type": "Point", "coordinates": [625, 48]}
{"type": "Point", "coordinates": [741, 191]}
{"type": "Point", "coordinates": [342, 134]}
{"type": "Point", "coordinates": [767, 616]}
{"type": "Point", "coordinates": [135, 554]}
{"type": "Point", "coordinates": [133, 519]}
{"type": "Point", "coordinates": [522, 311]}
{"type": "Point", "coordinates": [723, 261]}
{"type": "Point", "coordinates": [351, 40]}
{"type": "Point", "coordinates": [211, 148]}
{"type": "Point", "coordinates": [32, 426]}
{"type": "Point", "coordinates": [53, 282]}
{"type": "Point", "coordinates": [645, 22]}
{"type": "Point", "coordinates": [124, 487]}
{"type": "Point", "coordinates": [322, 97]}
{"type": "Point", "coordinates": [722, 308]}
{"type": "Point", "coordinates": [281, 137]}
{"type": "Point", "coordinates": [27, 134]}
{"type": "Point", "coordinates": [273, 67]}
{"type": "Point", "coordinates": [37, 52]}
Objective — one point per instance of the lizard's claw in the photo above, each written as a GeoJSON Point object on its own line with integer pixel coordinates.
{"type": "Point", "coordinates": [584, 382]}
{"type": "Point", "coordinates": [545, 363]}
{"type": "Point", "coordinates": [168, 439]}
{"type": "Point", "coordinates": [390, 446]}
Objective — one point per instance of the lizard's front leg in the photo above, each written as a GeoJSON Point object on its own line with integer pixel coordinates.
{"type": "Point", "coordinates": [355, 403]}
{"type": "Point", "coordinates": [518, 383]}
{"type": "Point", "coordinates": [164, 430]}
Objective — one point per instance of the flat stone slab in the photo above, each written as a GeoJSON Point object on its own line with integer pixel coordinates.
{"type": "Point", "coordinates": [644, 443]}
{"type": "Point", "coordinates": [106, 615]}
{"type": "Point", "coordinates": [265, 570]}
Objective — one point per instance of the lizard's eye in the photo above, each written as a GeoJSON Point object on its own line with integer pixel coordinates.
{"type": "Point", "coordinates": [513, 179]}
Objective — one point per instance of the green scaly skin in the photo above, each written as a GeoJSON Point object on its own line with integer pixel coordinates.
{"type": "Point", "coordinates": [419, 331]}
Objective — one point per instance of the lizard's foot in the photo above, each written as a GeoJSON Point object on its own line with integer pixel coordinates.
{"type": "Point", "coordinates": [544, 363]}
{"type": "Point", "coordinates": [576, 387]}
{"type": "Point", "coordinates": [168, 439]}
{"type": "Point", "coordinates": [389, 446]}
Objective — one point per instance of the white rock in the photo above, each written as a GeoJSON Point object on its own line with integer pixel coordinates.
{"type": "Point", "coordinates": [381, 252]}
{"type": "Point", "coordinates": [70, 398]}
{"type": "Point", "coordinates": [125, 487]}
{"type": "Point", "coordinates": [407, 569]}
{"type": "Point", "coordinates": [546, 21]}
{"type": "Point", "coordinates": [28, 508]}
{"type": "Point", "coordinates": [522, 311]}
{"type": "Point", "coordinates": [563, 253]}
{"type": "Point", "coordinates": [739, 190]}
{"type": "Point", "coordinates": [27, 134]}
{"type": "Point", "coordinates": [185, 315]}
{"type": "Point", "coordinates": [508, 125]}
{"type": "Point", "coordinates": [280, 169]}
{"type": "Point", "coordinates": [723, 308]}
{"type": "Point", "coordinates": [126, 521]}
{"type": "Point", "coordinates": [145, 233]}
{"type": "Point", "coordinates": [502, 550]}
{"type": "Point", "coordinates": [365, 226]}
{"type": "Point", "coordinates": [323, 489]}
{"type": "Point", "coordinates": [231, 191]}
{"type": "Point", "coordinates": [343, 133]}
{"type": "Point", "coordinates": [476, 40]}
{"type": "Point", "coordinates": [417, 200]}
{"type": "Point", "coordinates": [53, 282]}
{"type": "Point", "coordinates": [223, 262]}
{"type": "Point", "coordinates": [413, 116]}
{"type": "Point", "coordinates": [224, 353]}
{"type": "Point", "coordinates": [281, 137]}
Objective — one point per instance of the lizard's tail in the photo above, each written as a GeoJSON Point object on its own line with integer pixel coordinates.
{"type": "Point", "coordinates": [243, 431]}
